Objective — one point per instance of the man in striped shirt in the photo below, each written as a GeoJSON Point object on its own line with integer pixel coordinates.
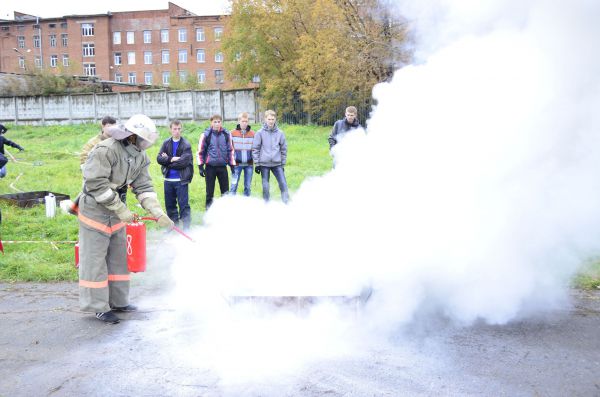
{"type": "Point", "coordinates": [242, 138]}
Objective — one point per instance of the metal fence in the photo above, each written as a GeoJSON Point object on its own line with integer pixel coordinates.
{"type": "Point", "coordinates": [323, 116]}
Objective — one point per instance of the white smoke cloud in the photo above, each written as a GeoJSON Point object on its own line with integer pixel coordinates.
{"type": "Point", "coordinates": [474, 193]}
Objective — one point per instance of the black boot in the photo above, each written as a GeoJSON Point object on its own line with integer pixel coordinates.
{"type": "Point", "coordinates": [108, 317]}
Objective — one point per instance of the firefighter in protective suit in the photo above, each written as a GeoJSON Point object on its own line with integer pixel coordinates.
{"type": "Point", "coordinates": [114, 163]}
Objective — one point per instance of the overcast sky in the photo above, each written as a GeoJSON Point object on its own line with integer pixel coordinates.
{"type": "Point", "coordinates": [48, 8]}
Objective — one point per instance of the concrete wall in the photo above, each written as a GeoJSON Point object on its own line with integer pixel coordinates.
{"type": "Point", "coordinates": [160, 105]}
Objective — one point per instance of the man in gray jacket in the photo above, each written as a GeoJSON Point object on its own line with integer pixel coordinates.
{"type": "Point", "coordinates": [269, 153]}
{"type": "Point", "coordinates": [115, 162]}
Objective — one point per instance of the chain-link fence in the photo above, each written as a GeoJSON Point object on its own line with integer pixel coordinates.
{"type": "Point", "coordinates": [324, 115]}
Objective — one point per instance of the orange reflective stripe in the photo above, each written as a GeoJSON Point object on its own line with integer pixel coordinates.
{"type": "Point", "coordinates": [93, 284]}
{"type": "Point", "coordinates": [118, 277]}
{"type": "Point", "coordinates": [100, 226]}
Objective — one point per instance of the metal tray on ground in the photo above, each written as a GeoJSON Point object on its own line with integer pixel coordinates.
{"type": "Point", "coordinates": [29, 199]}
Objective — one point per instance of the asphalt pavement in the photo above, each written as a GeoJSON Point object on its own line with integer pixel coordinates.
{"type": "Point", "coordinates": [49, 348]}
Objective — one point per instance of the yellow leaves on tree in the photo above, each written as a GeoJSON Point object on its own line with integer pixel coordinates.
{"type": "Point", "coordinates": [324, 51]}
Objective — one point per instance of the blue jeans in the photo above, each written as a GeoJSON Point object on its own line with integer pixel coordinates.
{"type": "Point", "coordinates": [280, 176]}
{"type": "Point", "coordinates": [235, 178]}
{"type": "Point", "coordinates": [176, 193]}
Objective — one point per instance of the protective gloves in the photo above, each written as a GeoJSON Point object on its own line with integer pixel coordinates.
{"type": "Point", "coordinates": [201, 169]}
{"type": "Point", "coordinates": [151, 204]}
{"type": "Point", "coordinates": [125, 215]}
{"type": "Point", "coordinates": [165, 221]}
{"type": "Point", "coordinates": [257, 169]}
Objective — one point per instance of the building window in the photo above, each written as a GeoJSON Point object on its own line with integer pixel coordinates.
{"type": "Point", "coordinates": [131, 78]}
{"type": "Point", "coordinates": [218, 34]}
{"type": "Point", "coordinates": [118, 58]}
{"type": "Point", "coordinates": [201, 76]}
{"type": "Point", "coordinates": [183, 75]}
{"type": "Point", "coordinates": [256, 79]}
{"type": "Point", "coordinates": [166, 76]}
{"type": "Point", "coordinates": [89, 50]}
{"type": "Point", "coordinates": [38, 61]}
{"type": "Point", "coordinates": [182, 35]}
{"type": "Point", "coordinates": [164, 56]}
{"type": "Point", "coordinates": [131, 58]}
{"type": "Point", "coordinates": [53, 61]}
{"type": "Point", "coordinates": [36, 41]}
{"type": "Point", "coordinates": [199, 34]}
{"type": "Point", "coordinates": [89, 69]}
{"type": "Point", "coordinates": [164, 35]}
{"type": "Point", "coordinates": [52, 25]}
{"type": "Point", "coordinates": [130, 38]}
{"type": "Point", "coordinates": [20, 27]}
{"type": "Point", "coordinates": [218, 76]}
{"type": "Point", "coordinates": [87, 29]}
{"type": "Point", "coordinates": [63, 25]}
{"type": "Point", "coordinates": [65, 58]}
{"type": "Point", "coordinates": [118, 77]}
{"type": "Point", "coordinates": [200, 56]}
{"type": "Point", "coordinates": [182, 56]}
{"type": "Point", "coordinates": [52, 40]}
{"type": "Point", "coordinates": [148, 57]}
{"type": "Point", "coordinates": [36, 27]}
{"type": "Point", "coordinates": [218, 57]}
{"type": "Point", "coordinates": [116, 37]}
{"type": "Point", "coordinates": [65, 39]}
{"type": "Point", "coordinates": [148, 78]}
{"type": "Point", "coordinates": [147, 36]}
{"type": "Point", "coordinates": [21, 41]}
{"type": "Point", "coordinates": [22, 62]}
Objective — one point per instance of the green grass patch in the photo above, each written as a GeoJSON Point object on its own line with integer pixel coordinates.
{"type": "Point", "coordinates": [51, 162]}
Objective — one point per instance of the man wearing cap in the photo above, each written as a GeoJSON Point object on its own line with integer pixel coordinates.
{"type": "Point", "coordinates": [115, 162]}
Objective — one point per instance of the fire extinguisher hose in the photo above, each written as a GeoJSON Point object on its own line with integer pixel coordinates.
{"type": "Point", "coordinates": [178, 230]}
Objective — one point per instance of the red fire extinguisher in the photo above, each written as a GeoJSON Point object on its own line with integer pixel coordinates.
{"type": "Point", "coordinates": [136, 247]}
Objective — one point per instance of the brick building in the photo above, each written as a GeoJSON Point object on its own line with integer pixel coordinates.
{"type": "Point", "coordinates": [151, 47]}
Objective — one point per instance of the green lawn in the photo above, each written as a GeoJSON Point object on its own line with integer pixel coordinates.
{"type": "Point", "coordinates": [51, 162]}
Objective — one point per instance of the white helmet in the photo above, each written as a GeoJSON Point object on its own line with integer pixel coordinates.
{"type": "Point", "coordinates": [140, 125]}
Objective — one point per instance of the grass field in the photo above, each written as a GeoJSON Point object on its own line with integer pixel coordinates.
{"type": "Point", "coordinates": [51, 162]}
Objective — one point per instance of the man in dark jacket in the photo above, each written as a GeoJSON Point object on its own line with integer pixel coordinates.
{"type": "Point", "coordinates": [177, 164]}
{"type": "Point", "coordinates": [215, 153]}
{"type": "Point", "coordinates": [341, 127]}
{"type": "Point", "coordinates": [4, 141]}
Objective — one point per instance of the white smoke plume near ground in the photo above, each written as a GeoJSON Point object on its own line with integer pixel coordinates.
{"type": "Point", "coordinates": [475, 193]}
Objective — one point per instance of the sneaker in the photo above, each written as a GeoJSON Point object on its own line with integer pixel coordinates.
{"type": "Point", "coordinates": [108, 317]}
{"type": "Point", "coordinates": [128, 308]}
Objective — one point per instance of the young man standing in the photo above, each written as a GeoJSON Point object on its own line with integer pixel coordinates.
{"type": "Point", "coordinates": [177, 165]}
{"type": "Point", "coordinates": [107, 122]}
{"type": "Point", "coordinates": [269, 152]}
{"type": "Point", "coordinates": [242, 138]}
{"type": "Point", "coordinates": [215, 152]}
{"type": "Point", "coordinates": [4, 141]}
{"type": "Point", "coordinates": [343, 126]}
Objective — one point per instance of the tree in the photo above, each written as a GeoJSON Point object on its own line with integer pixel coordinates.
{"type": "Point", "coordinates": [323, 51]}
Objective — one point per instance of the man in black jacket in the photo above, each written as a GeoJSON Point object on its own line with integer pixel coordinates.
{"type": "Point", "coordinates": [215, 152]}
{"type": "Point", "coordinates": [175, 157]}
{"type": "Point", "coordinates": [4, 141]}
